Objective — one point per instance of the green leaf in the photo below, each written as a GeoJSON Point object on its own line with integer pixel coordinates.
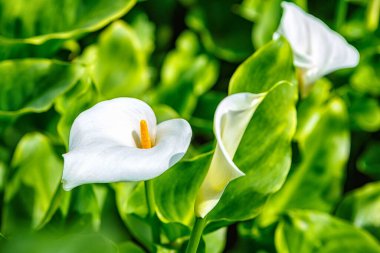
{"type": "Point", "coordinates": [217, 24]}
{"type": "Point", "coordinates": [36, 21]}
{"type": "Point", "coordinates": [36, 173]}
{"type": "Point", "coordinates": [215, 241]}
{"type": "Point", "coordinates": [71, 104]}
{"type": "Point", "coordinates": [264, 155]}
{"type": "Point", "coordinates": [188, 72]}
{"type": "Point", "coordinates": [369, 161]}
{"type": "Point", "coordinates": [361, 207]}
{"type": "Point", "coordinates": [366, 79]}
{"type": "Point", "coordinates": [85, 208]}
{"type": "Point", "coordinates": [121, 64]}
{"type": "Point", "coordinates": [266, 67]}
{"type": "Point", "coordinates": [145, 30]}
{"type": "Point", "coordinates": [267, 22]}
{"type": "Point", "coordinates": [60, 242]}
{"type": "Point", "coordinates": [31, 85]}
{"type": "Point", "coordinates": [365, 113]}
{"type": "Point", "coordinates": [129, 247]}
{"type": "Point", "coordinates": [316, 182]}
{"type": "Point", "coordinates": [311, 231]}
{"type": "Point", "coordinates": [175, 190]}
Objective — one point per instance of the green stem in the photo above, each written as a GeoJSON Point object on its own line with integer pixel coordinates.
{"type": "Point", "coordinates": [341, 14]}
{"type": "Point", "coordinates": [149, 194]}
{"type": "Point", "coordinates": [373, 13]}
{"type": "Point", "coordinates": [196, 235]}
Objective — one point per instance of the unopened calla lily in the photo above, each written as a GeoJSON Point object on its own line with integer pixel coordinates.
{"type": "Point", "coordinates": [230, 122]}
{"type": "Point", "coordinates": [317, 49]}
{"type": "Point", "coordinates": [119, 140]}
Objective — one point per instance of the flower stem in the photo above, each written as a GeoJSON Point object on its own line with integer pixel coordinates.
{"type": "Point", "coordinates": [341, 14]}
{"type": "Point", "coordinates": [149, 194]}
{"type": "Point", "coordinates": [196, 235]}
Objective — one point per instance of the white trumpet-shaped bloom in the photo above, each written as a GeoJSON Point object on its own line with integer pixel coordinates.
{"type": "Point", "coordinates": [317, 49]}
{"type": "Point", "coordinates": [230, 122]}
{"type": "Point", "coordinates": [105, 144]}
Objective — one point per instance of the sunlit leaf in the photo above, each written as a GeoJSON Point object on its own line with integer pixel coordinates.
{"type": "Point", "coordinates": [264, 155]}
{"type": "Point", "coordinates": [266, 67]}
{"type": "Point", "coordinates": [186, 74]}
{"type": "Point", "coordinates": [32, 85]}
{"type": "Point", "coordinates": [120, 68]}
{"type": "Point", "coordinates": [36, 176]}
{"type": "Point", "coordinates": [36, 21]}
{"type": "Point", "coordinates": [317, 181]}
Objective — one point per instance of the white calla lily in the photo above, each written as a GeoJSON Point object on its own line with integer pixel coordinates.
{"type": "Point", "coordinates": [106, 144]}
{"type": "Point", "coordinates": [317, 49]}
{"type": "Point", "coordinates": [230, 122]}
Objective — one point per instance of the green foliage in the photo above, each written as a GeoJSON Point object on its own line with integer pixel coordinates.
{"type": "Point", "coordinates": [316, 181]}
{"type": "Point", "coordinates": [369, 162]}
{"type": "Point", "coordinates": [36, 21]}
{"type": "Point", "coordinates": [267, 164]}
{"type": "Point", "coordinates": [361, 207]}
{"type": "Point", "coordinates": [269, 65]}
{"type": "Point", "coordinates": [120, 63]}
{"type": "Point", "coordinates": [310, 231]}
{"type": "Point", "coordinates": [36, 172]}
{"type": "Point", "coordinates": [310, 163]}
{"type": "Point", "coordinates": [32, 85]}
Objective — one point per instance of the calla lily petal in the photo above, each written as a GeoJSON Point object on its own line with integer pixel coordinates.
{"type": "Point", "coordinates": [230, 122]}
{"type": "Point", "coordinates": [116, 120]}
{"type": "Point", "coordinates": [104, 144]}
{"type": "Point", "coordinates": [317, 49]}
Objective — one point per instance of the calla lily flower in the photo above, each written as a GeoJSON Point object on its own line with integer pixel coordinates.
{"type": "Point", "coordinates": [317, 49]}
{"type": "Point", "coordinates": [230, 122]}
{"type": "Point", "coordinates": [119, 140]}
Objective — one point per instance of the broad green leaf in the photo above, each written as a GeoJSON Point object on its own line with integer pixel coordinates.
{"type": "Point", "coordinates": [36, 21]}
{"type": "Point", "coordinates": [314, 232]}
{"type": "Point", "coordinates": [20, 49]}
{"type": "Point", "coordinates": [132, 207]}
{"type": "Point", "coordinates": [60, 242]}
{"type": "Point", "coordinates": [369, 161]}
{"type": "Point", "coordinates": [316, 182]}
{"type": "Point", "coordinates": [31, 85]}
{"type": "Point", "coordinates": [186, 74]}
{"type": "Point", "coordinates": [176, 189]}
{"type": "Point", "coordinates": [129, 247]}
{"type": "Point", "coordinates": [71, 104]}
{"type": "Point", "coordinates": [36, 173]}
{"type": "Point", "coordinates": [264, 155]}
{"type": "Point", "coordinates": [120, 68]}
{"type": "Point", "coordinates": [85, 208]}
{"type": "Point", "coordinates": [361, 207]}
{"type": "Point", "coordinates": [266, 67]}
{"type": "Point", "coordinates": [223, 33]}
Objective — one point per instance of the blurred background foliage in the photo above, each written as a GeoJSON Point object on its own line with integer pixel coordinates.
{"type": "Point", "coordinates": [58, 58]}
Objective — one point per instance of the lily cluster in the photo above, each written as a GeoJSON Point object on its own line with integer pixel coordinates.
{"type": "Point", "coordinates": [120, 140]}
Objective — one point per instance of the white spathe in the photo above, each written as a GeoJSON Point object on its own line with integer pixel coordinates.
{"type": "Point", "coordinates": [317, 50]}
{"type": "Point", "coordinates": [105, 139]}
{"type": "Point", "coordinates": [230, 122]}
